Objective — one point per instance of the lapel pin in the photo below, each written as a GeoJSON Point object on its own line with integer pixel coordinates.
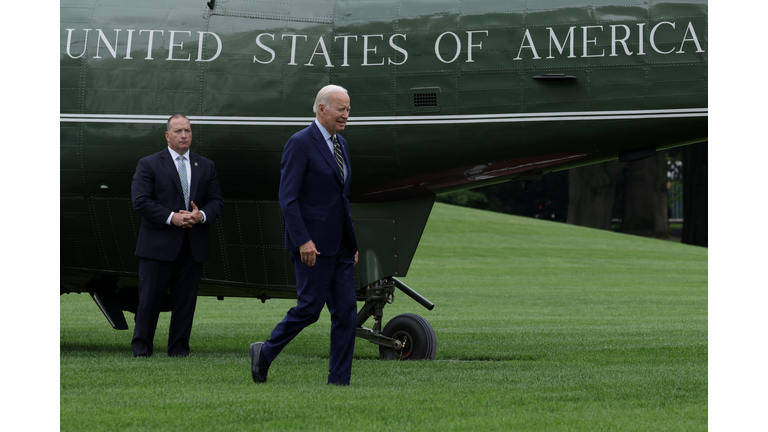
{"type": "Point", "coordinates": [195, 163]}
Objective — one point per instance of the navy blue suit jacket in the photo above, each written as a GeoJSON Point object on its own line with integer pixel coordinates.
{"type": "Point", "coordinates": [156, 192]}
{"type": "Point", "coordinates": [314, 201]}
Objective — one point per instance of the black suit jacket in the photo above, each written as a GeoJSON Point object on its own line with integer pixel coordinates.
{"type": "Point", "coordinates": [156, 192]}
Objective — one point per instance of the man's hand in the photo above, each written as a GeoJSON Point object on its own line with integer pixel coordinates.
{"type": "Point", "coordinates": [308, 253]}
{"type": "Point", "coordinates": [195, 215]}
{"type": "Point", "coordinates": [188, 219]}
{"type": "Point", "coordinates": [178, 219]}
{"type": "Point", "coordinates": [355, 258]}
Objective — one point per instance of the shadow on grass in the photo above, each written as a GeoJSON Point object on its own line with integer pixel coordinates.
{"type": "Point", "coordinates": [498, 358]}
{"type": "Point", "coordinates": [90, 347]}
{"type": "Point", "coordinates": [73, 348]}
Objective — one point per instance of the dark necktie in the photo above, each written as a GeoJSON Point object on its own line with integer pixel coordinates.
{"type": "Point", "coordinates": [338, 156]}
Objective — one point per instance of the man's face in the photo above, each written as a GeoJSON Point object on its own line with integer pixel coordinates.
{"type": "Point", "coordinates": [180, 136]}
{"type": "Point", "coordinates": [334, 116]}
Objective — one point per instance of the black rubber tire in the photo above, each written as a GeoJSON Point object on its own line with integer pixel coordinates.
{"type": "Point", "coordinates": [421, 343]}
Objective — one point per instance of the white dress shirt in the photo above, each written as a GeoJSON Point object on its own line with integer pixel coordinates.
{"type": "Point", "coordinates": [188, 165]}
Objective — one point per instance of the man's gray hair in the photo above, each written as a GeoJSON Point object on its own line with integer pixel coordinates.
{"type": "Point", "coordinates": [324, 95]}
{"type": "Point", "coordinates": [168, 123]}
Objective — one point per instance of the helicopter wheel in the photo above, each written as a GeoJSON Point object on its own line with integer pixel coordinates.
{"type": "Point", "coordinates": [416, 335]}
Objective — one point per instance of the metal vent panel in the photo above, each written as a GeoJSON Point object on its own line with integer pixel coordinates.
{"type": "Point", "coordinates": [425, 99]}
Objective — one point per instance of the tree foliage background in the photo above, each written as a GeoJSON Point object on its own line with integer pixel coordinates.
{"type": "Point", "coordinates": [636, 197]}
{"type": "Point", "coordinates": [545, 199]}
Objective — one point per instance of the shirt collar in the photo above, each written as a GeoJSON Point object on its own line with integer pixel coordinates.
{"type": "Point", "coordinates": [174, 155]}
{"type": "Point", "coordinates": [325, 133]}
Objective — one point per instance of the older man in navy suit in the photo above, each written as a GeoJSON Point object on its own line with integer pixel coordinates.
{"type": "Point", "coordinates": [315, 179]}
{"type": "Point", "coordinates": [173, 238]}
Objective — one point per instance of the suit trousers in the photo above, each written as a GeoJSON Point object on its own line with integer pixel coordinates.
{"type": "Point", "coordinates": [330, 281]}
{"type": "Point", "coordinates": [182, 276]}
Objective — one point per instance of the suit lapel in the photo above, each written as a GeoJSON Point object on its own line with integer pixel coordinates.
{"type": "Point", "coordinates": [322, 147]}
{"type": "Point", "coordinates": [170, 167]}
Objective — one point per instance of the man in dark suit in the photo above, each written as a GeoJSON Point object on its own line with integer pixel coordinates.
{"type": "Point", "coordinates": [173, 238]}
{"type": "Point", "coordinates": [315, 179]}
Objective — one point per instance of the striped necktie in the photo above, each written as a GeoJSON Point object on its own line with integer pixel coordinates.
{"type": "Point", "coordinates": [339, 158]}
{"type": "Point", "coordinates": [184, 181]}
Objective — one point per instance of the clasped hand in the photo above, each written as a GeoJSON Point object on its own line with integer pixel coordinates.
{"type": "Point", "coordinates": [187, 219]}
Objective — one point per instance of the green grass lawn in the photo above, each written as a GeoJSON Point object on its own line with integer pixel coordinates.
{"type": "Point", "coordinates": [540, 326]}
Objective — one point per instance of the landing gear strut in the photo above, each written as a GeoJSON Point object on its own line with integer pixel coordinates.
{"type": "Point", "coordinates": [405, 337]}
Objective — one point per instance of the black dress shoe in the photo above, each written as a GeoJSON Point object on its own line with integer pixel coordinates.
{"type": "Point", "coordinates": [259, 373]}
